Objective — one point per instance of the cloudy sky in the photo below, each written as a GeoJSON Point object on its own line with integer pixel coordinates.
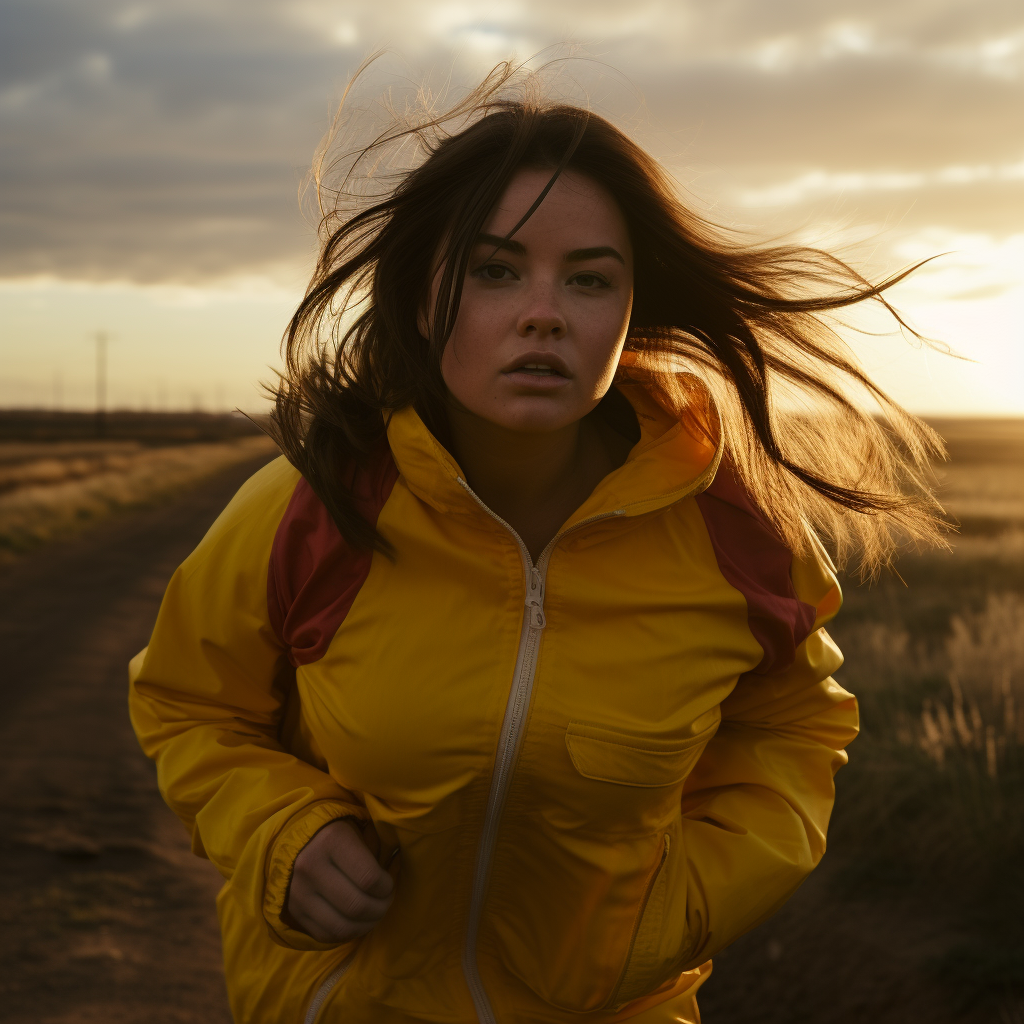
{"type": "Point", "coordinates": [151, 153]}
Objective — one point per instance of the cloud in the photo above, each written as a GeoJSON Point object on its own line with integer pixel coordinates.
{"type": "Point", "coordinates": [165, 142]}
{"type": "Point", "coordinates": [945, 181]}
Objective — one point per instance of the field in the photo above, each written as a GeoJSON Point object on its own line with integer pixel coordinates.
{"type": "Point", "coordinates": [917, 912]}
{"type": "Point", "coordinates": [915, 915]}
{"type": "Point", "coordinates": [57, 476]}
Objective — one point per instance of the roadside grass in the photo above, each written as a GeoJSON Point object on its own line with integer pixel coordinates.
{"type": "Point", "coordinates": [52, 490]}
{"type": "Point", "coordinates": [917, 912]}
{"type": "Point", "coordinates": [930, 807]}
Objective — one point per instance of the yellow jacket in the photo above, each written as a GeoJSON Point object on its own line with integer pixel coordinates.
{"type": "Point", "coordinates": [597, 771]}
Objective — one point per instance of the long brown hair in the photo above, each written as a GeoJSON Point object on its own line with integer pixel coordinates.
{"type": "Point", "coordinates": [746, 320]}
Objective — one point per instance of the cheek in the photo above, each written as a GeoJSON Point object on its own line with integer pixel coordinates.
{"type": "Point", "coordinates": [471, 353]}
{"type": "Point", "coordinates": [457, 368]}
{"type": "Point", "coordinates": [603, 334]}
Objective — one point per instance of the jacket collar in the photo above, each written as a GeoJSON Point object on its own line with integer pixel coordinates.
{"type": "Point", "coordinates": [675, 458]}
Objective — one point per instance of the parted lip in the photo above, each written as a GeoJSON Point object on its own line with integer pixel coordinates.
{"type": "Point", "coordinates": [544, 358]}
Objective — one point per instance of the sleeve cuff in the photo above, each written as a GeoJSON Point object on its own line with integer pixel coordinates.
{"type": "Point", "coordinates": [281, 860]}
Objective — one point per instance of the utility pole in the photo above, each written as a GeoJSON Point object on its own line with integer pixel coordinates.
{"type": "Point", "coordinates": [101, 338]}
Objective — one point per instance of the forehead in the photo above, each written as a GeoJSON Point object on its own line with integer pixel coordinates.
{"type": "Point", "coordinates": [577, 212]}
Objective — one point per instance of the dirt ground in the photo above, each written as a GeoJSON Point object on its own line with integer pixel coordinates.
{"type": "Point", "coordinates": [104, 913]}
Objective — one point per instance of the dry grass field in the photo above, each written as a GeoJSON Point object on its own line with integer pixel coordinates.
{"type": "Point", "coordinates": [917, 912]}
{"type": "Point", "coordinates": [50, 489]}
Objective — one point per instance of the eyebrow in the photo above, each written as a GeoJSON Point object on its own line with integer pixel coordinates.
{"type": "Point", "coordinates": [575, 256]}
{"type": "Point", "coordinates": [509, 244]}
{"type": "Point", "coordinates": [595, 253]}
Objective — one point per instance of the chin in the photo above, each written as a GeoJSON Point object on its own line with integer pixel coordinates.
{"type": "Point", "coordinates": [534, 420]}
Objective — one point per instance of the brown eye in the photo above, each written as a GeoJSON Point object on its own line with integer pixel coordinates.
{"type": "Point", "coordinates": [589, 281]}
{"type": "Point", "coordinates": [494, 272]}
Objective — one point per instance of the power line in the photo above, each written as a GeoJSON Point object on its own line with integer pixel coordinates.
{"type": "Point", "coordinates": [101, 338]}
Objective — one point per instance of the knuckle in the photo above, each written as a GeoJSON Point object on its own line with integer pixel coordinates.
{"type": "Point", "coordinates": [366, 876]}
{"type": "Point", "coordinates": [353, 905]}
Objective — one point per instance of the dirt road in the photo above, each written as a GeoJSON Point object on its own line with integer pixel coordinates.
{"type": "Point", "coordinates": [105, 916]}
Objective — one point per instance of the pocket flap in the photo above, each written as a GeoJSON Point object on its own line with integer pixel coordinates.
{"type": "Point", "coordinates": [612, 755]}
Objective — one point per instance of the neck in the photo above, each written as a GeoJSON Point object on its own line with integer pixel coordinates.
{"type": "Point", "coordinates": [535, 482]}
{"type": "Point", "coordinates": [510, 469]}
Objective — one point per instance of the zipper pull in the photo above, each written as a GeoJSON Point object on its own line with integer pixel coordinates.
{"type": "Point", "coordinates": [535, 599]}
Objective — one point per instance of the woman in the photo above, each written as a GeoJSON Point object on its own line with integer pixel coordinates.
{"type": "Point", "coordinates": [505, 696]}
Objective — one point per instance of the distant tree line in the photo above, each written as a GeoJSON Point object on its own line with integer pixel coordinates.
{"type": "Point", "coordinates": [155, 428]}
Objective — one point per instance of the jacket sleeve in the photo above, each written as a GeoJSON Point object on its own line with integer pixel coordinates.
{"type": "Point", "coordinates": [206, 700]}
{"type": "Point", "coordinates": [757, 805]}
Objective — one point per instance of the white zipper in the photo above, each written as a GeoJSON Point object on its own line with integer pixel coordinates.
{"type": "Point", "coordinates": [324, 990]}
{"type": "Point", "coordinates": [519, 698]}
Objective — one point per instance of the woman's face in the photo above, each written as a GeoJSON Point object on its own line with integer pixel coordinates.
{"type": "Point", "coordinates": [543, 317]}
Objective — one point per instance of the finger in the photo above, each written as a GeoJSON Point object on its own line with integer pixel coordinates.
{"type": "Point", "coordinates": [320, 920]}
{"type": "Point", "coordinates": [350, 855]}
{"type": "Point", "coordinates": [348, 899]}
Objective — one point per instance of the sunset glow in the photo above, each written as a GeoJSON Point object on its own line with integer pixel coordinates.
{"type": "Point", "coordinates": [153, 157]}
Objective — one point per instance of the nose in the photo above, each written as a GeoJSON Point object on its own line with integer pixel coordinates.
{"type": "Point", "coordinates": [541, 319]}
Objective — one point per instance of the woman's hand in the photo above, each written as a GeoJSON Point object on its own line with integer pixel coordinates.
{"type": "Point", "coordinates": [338, 890]}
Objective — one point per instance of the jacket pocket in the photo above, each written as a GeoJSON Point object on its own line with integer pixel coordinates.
{"type": "Point", "coordinates": [604, 914]}
{"type": "Point", "coordinates": [570, 942]}
{"type": "Point", "coordinates": [648, 963]}
{"type": "Point", "coordinates": [610, 755]}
